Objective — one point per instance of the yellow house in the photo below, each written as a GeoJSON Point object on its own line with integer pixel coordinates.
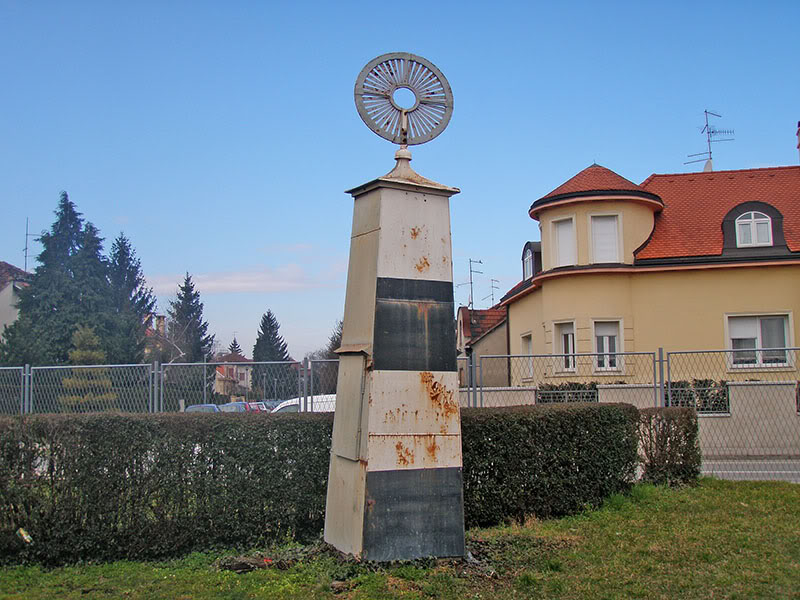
{"type": "Point", "coordinates": [694, 261]}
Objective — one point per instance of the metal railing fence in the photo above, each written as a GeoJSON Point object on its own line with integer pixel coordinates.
{"type": "Point", "coordinates": [747, 400]}
{"type": "Point", "coordinates": [748, 406]}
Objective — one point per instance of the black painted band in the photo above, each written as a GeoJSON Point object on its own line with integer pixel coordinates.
{"type": "Point", "coordinates": [414, 513]}
{"type": "Point", "coordinates": [391, 288]}
{"type": "Point", "coordinates": [414, 336]}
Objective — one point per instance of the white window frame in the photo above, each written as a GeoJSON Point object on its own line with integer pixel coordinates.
{"type": "Point", "coordinates": [563, 364]}
{"type": "Point", "coordinates": [788, 339]}
{"type": "Point", "coordinates": [752, 221]}
{"type": "Point", "coordinates": [554, 243]}
{"type": "Point", "coordinates": [590, 218]}
{"type": "Point", "coordinates": [527, 351]}
{"type": "Point", "coordinates": [527, 264]}
{"type": "Point", "coordinates": [617, 353]}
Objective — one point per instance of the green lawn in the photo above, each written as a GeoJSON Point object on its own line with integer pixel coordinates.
{"type": "Point", "coordinates": [718, 540]}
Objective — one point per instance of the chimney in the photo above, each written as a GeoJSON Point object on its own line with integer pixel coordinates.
{"type": "Point", "coordinates": [161, 325]}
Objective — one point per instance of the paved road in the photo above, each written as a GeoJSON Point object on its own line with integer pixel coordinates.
{"type": "Point", "coordinates": [782, 469]}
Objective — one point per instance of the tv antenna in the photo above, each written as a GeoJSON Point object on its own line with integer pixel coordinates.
{"type": "Point", "coordinates": [25, 249]}
{"type": "Point", "coordinates": [712, 136]}
{"type": "Point", "coordinates": [386, 107]}
{"type": "Point", "coordinates": [494, 287]}
{"type": "Point", "coordinates": [471, 271]}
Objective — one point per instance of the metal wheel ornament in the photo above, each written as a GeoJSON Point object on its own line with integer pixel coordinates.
{"type": "Point", "coordinates": [378, 108]}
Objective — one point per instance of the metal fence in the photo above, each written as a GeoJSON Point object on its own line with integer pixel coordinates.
{"type": "Point", "coordinates": [747, 401]}
{"type": "Point", "coordinates": [300, 386]}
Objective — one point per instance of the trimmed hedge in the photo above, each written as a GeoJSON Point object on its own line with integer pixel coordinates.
{"type": "Point", "coordinates": [104, 487]}
{"type": "Point", "coordinates": [545, 461]}
{"type": "Point", "coordinates": [670, 452]}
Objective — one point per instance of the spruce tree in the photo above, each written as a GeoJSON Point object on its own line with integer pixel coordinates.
{"type": "Point", "coordinates": [278, 381]}
{"type": "Point", "coordinates": [187, 330]}
{"type": "Point", "coordinates": [132, 304]}
{"type": "Point", "coordinates": [235, 348]}
{"type": "Point", "coordinates": [270, 345]}
{"type": "Point", "coordinates": [50, 306]}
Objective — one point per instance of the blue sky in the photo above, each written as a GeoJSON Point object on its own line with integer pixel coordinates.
{"type": "Point", "coordinates": [220, 136]}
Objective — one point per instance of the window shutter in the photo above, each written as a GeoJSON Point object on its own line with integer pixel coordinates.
{"type": "Point", "coordinates": [565, 242]}
{"type": "Point", "coordinates": [742, 327]}
{"type": "Point", "coordinates": [606, 328]}
{"type": "Point", "coordinates": [604, 239]}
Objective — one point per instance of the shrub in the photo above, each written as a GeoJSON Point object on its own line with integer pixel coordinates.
{"type": "Point", "coordinates": [105, 486]}
{"type": "Point", "coordinates": [669, 450]}
{"type": "Point", "coordinates": [101, 487]}
{"type": "Point", "coordinates": [545, 461]}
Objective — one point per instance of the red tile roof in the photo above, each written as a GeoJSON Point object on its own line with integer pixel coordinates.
{"type": "Point", "coordinates": [593, 179]}
{"type": "Point", "coordinates": [9, 272]}
{"type": "Point", "coordinates": [695, 204]}
{"type": "Point", "coordinates": [483, 321]}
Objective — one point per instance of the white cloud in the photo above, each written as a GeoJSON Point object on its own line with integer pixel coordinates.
{"type": "Point", "coordinates": [286, 278]}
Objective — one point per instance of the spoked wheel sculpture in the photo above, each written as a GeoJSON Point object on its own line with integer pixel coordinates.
{"type": "Point", "coordinates": [378, 106]}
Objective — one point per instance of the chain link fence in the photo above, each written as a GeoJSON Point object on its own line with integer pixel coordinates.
{"type": "Point", "coordinates": [11, 390]}
{"type": "Point", "coordinates": [509, 380]}
{"type": "Point", "coordinates": [747, 401]}
{"type": "Point", "coordinates": [748, 406]}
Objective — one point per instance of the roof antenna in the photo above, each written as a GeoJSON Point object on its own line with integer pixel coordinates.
{"type": "Point", "coordinates": [711, 133]}
{"type": "Point", "coordinates": [25, 249]}
{"type": "Point", "coordinates": [494, 287]}
{"type": "Point", "coordinates": [471, 271]}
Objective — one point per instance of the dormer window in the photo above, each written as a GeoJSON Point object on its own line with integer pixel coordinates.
{"type": "Point", "coordinates": [527, 264]}
{"type": "Point", "coordinates": [753, 229]}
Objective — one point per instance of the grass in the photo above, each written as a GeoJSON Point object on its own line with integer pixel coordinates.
{"type": "Point", "coordinates": [717, 540]}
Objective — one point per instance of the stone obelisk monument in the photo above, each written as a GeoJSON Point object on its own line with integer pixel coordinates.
{"type": "Point", "coordinates": [395, 484]}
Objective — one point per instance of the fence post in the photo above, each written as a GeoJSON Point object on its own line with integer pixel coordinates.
{"type": "Point", "coordinates": [661, 399]}
{"type": "Point", "coordinates": [305, 383]}
{"type": "Point", "coordinates": [472, 382]}
{"type": "Point", "coordinates": [668, 397]}
{"type": "Point", "coordinates": [480, 377]}
{"type": "Point", "coordinates": [311, 384]}
{"type": "Point", "coordinates": [154, 387]}
{"type": "Point", "coordinates": [23, 400]}
{"type": "Point", "coordinates": [205, 382]}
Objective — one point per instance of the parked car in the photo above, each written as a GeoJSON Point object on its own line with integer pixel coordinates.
{"type": "Point", "coordinates": [264, 405]}
{"type": "Point", "coordinates": [317, 404]}
{"type": "Point", "coordinates": [235, 407]}
{"type": "Point", "coordinates": [205, 408]}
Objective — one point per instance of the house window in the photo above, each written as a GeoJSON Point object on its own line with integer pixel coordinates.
{"type": "Point", "coordinates": [753, 229]}
{"type": "Point", "coordinates": [565, 344]}
{"type": "Point", "coordinates": [605, 239]}
{"type": "Point", "coordinates": [527, 350]}
{"type": "Point", "coordinates": [758, 340]}
{"type": "Point", "coordinates": [606, 336]}
{"type": "Point", "coordinates": [527, 264]}
{"type": "Point", "coordinates": [564, 242]}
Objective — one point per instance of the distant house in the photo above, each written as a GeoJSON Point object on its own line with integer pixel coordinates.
{"type": "Point", "coordinates": [482, 333]}
{"type": "Point", "coordinates": [12, 280]}
{"type": "Point", "coordinates": [690, 261]}
{"type": "Point", "coordinates": [233, 379]}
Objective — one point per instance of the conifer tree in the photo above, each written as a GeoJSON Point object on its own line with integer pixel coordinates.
{"type": "Point", "coordinates": [270, 345]}
{"type": "Point", "coordinates": [187, 330]}
{"type": "Point", "coordinates": [235, 348]}
{"type": "Point", "coordinates": [87, 389]}
{"type": "Point", "coordinates": [132, 304]}
{"type": "Point", "coordinates": [50, 306]}
{"type": "Point", "coordinates": [278, 381]}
